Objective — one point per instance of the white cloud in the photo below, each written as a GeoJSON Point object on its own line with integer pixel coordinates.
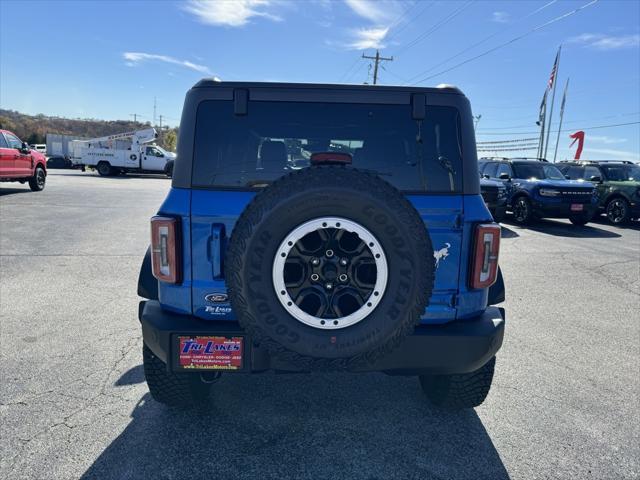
{"type": "Point", "coordinates": [368, 38]}
{"type": "Point", "coordinates": [375, 11]}
{"type": "Point", "coordinates": [500, 17]}
{"type": "Point", "coordinates": [231, 13]}
{"type": "Point", "coordinates": [606, 140]}
{"type": "Point", "coordinates": [134, 58]}
{"type": "Point", "coordinates": [601, 41]}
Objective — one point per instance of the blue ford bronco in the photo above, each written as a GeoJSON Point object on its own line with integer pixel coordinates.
{"type": "Point", "coordinates": [323, 228]}
{"type": "Point", "coordinates": [537, 189]}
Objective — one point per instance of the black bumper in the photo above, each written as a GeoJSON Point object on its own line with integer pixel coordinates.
{"type": "Point", "coordinates": [457, 347]}
{"type": "Point", "coordinates": [561, 210]}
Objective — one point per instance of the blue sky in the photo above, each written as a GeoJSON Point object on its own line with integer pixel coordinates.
{"type": "Point", "coordinates": [110, 59]}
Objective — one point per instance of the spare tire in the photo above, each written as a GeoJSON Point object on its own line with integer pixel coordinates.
{"type": "Point", "coordinates": [329, 267]}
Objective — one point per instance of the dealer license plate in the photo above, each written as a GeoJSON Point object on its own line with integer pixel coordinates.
{"type": "Point", "coordinates": [210, 353]}
{"type": "Point", "coordinates": [577, 207]}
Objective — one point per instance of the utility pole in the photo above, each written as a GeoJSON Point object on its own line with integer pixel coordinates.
{"type": "Point", "coordinates": [377, 59]}
{"type": "Point", "coordinates": [154, 111]}
{"type": "Point", "coordinates": [476, 121]}
{"type": "Point", "coordinates": [160, 131]}
{"type": "Point", "coordinates": [135, 117]}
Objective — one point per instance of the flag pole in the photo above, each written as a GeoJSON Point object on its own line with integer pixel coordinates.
{"type": "Point", "coordinates": [542, 114]}
{"type": "Point", "coordinates": [553, 100]}
{"type": "Point", "coordinates": [564, 99]}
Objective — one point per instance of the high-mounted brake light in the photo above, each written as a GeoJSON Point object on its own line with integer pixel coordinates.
{"type": "Point", "coordinates": [485, 259]}
{"type": "Point", "coordinates": [165, 249]}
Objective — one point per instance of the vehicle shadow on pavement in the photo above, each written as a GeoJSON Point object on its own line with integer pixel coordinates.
{"type": "Point", "coordinates": [506, 232]}
{"type": "Point", "coordinates": [11, 191]}
{"type": "Point", "coordinates": [562, 229]}
{"type": "Point", "coordinates": [303, 426]}
{"type": "Point", "coordinates": [602, 220]}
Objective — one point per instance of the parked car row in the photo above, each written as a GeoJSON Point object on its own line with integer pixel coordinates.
{"type": "Point", "coordinates": [536, 189]}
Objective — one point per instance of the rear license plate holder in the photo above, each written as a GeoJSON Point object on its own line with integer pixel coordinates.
{"type": "Point", "coordinates": [577, 207]}
{"type": "Point", "coordinates": [209, 353]}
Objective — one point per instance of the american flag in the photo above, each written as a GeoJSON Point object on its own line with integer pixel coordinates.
{"type": "Point", "coordinates": [554, 71]}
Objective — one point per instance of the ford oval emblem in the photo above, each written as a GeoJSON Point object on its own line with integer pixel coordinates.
{"type": "Point", "coordinates": [216, 297]}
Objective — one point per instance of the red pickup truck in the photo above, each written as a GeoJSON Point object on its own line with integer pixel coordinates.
{"type": "Point", "coordinates": [18, 163]}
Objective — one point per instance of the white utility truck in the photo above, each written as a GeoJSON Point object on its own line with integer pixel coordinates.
{"type": "Point", "coordinates": [122, 153]}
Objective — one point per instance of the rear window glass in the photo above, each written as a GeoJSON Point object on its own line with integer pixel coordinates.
{"type": "Point", "coordinates": [275, 138]}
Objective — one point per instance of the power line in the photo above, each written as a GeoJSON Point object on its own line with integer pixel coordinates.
{"type": "Point", "coordinates": [435, 27]}
{"type": "Point", "coordinates": [513, 40]}
{"type": "Point", "coordinates": [516, 140]}
{"type": "Point", "coordinates": [486, 39]}
{"type": "Point", "coordinates": [572, 121]}
{"type": "Point", "coordinates": [415, 17]}
{"type": "Point", "coordinates": [565, 130]}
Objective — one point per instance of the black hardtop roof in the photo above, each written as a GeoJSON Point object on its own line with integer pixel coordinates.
{"type": "Point", "coordinates": [598, 162]}
{"type": "Point", "coordinates": [511, 160]}
{"type": "Point", "coordinates": [212, 83]}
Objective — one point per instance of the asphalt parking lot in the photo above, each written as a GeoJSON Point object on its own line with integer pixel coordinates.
{"type": "Point", "coordinates": [74, 404]}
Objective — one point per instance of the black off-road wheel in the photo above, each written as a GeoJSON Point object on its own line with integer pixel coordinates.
{"type": "Point", "coordinates": [329, 267]}
{"type": "Point", "coordinates": [457, 392]}
{"type": "Point", "coordinates": [104, 169]}
{"type": "Point", "coordinates": [618, 211]}
{"type": "Point", "coordinates": [38, 181]}
{"type": "Point", "coordinates": [522, 210]}
{"type": "Point", "coordinates": [181, 390]}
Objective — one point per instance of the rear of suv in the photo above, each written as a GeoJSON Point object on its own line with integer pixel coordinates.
{"type": "Point", "coordinates": [537, 189]}
{"type": "Point", "coordinates": [617, 186]}
{"type": "Point", "coordinates": [380, 255]}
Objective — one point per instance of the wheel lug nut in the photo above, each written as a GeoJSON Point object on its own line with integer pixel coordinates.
{"type": "Point", "coordinates": [315, 261]}
{"type": "Point", "coordinates": [343, 261]}
{"type": "Point", "coordinates": [329, 286]}
{"type": "Point", "coordinates": [343, 278]}
{"type": "Point", "coordinates": [329, 253]}
{"type": "Point", "coordinates": [315, 277]}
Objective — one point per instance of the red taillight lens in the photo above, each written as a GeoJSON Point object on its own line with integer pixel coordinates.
{"type": "Point", "coordinates": [165, 249]}
{"type": "Point", "coordinates": [485, 259]}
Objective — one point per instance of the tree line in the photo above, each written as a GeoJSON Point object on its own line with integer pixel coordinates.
{"type": "Point", "coordinates": [34, 128]}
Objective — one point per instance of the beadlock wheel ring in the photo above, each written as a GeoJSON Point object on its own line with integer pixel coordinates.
{"type": "Point", "coordinates": [323, 269]}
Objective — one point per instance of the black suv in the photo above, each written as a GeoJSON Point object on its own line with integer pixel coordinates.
{"type": "Point", "coordinates": [617, 186]}
{"type": "Point", "coordinates": [494, 195]}
{"type": "Point", "coordinates": [536, 189]}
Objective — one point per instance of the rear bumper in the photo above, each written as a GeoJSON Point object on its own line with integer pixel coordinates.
{"type": "Point", "coordinates": [457, 347]}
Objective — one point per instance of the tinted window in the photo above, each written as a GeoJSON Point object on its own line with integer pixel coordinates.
{"type": "Point", "coordinates": [591, 172]}
{"type": "Point", "coordinates": [14, 142]}
{"type": "Point", "coordinates": [275, 137]}
{"type": "Point", "coordinates": [491, 169]}
{"type": "Point", "coordinates": [537, 170]}
{"type": "Point", "coordinates": [621, 173]}
{"type": "Point", "coordinates": [3, 142]}
{"type": "Point", "coordinates": [574, 172]}
{"type": "Point", "coordinates": [504, 168]}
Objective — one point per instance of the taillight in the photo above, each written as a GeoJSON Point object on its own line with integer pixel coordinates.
{"type": "Point", "coordinates": [485, 256]}
{"type": "Point", "coordinates": [165, 249]}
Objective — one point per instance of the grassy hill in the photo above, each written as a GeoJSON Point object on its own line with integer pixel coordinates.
{"type": "Point", "coordinates": [33, 128]}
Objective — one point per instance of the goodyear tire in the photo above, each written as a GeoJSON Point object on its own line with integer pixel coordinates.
{"type": "Point", "coordinates": [329, 267]}
{"type": "Point", "coordinates": [172, 389]}
{"type": "Point", "coordinates": [457, 392]}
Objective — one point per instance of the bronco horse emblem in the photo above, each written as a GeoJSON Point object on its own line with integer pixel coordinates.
{"type": "Point", "coordinates": [441, 254]}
